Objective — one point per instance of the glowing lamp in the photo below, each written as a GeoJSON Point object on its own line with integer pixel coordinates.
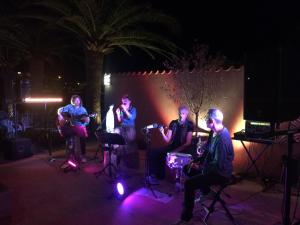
{"type": "Point", "coordinates": [106, 79]}
{"type": "Point", "coordinates": [42, 100]}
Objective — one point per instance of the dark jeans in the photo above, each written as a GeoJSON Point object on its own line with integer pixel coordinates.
{"type": "Point", "coordinates": [83, 145]}
{"type": "Point", "coordinates": [157, 161]}
{"type": "Point", "coordinates": [196, 181]}
{"type": "Point", "coordinates": [70, 145]}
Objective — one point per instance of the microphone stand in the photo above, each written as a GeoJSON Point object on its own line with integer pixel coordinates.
{"type": "Point", "coordinates": [148, 185]}
{"type": "Point", "coordinates": [287, 179]}
{"type": "Point", "coordinates": [286, 220]}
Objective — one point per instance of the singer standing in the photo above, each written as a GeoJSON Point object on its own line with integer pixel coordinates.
{"type": "Point", "coordinates": [178, 136]}
{"type": "Point", "coordinates": [126, 115]}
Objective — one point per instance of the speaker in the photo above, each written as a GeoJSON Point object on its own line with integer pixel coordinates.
{"type": "Point", "coordinates": [271, 90]}
{"type": "Point", "coordinates": [17, 148]}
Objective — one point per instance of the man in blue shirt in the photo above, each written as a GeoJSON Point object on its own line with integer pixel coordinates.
{"type": "Point", "coordinates": [79, 119]}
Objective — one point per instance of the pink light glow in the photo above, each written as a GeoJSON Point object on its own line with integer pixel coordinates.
{"type": "Point", "coordinates": [42, 100]}
{"type": "Point", "coordinates": [72, 164]}
{"type": "Point", "coordinates": [91, 169]}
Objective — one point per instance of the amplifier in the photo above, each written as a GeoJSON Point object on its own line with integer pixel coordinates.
{"type": "Point", "coordinates": [17, 148]}
{"type": "Point", "coordinates": [259, 129]}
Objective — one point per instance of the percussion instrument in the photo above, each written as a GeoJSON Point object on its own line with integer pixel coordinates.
{"type": "Point", "coordinates": [178, 160]}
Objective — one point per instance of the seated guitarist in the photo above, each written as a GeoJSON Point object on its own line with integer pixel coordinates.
{"type": "Point", "coordinates": [214, 166]}
{"type": "Point", "coordinates": [79, 119]}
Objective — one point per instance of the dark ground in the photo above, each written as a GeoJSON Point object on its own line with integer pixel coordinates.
{"type": "Point", "coordinates": [40, 193]}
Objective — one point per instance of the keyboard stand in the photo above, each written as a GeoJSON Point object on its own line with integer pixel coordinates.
{"type": "Point", "coordinates": [266, 142]}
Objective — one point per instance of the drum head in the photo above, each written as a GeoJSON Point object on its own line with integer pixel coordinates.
{"type": "Point", "coordinates": [182, 154]}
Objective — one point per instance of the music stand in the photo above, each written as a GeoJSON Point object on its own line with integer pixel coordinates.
{"type": "Point", "coordinates": [110, 139]}
{"type": "Point", "coordinates": [148, 184]}
{"type": "Point", "coordinates": [99, 129]}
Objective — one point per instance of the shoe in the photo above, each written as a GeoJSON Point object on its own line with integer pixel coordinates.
{"type": "Point", "coordinates": [205, 197]}
{"type": "Point", "coordinates": [83, 160]}
{"type": "Point", "coordinates": [64, 166]}
{"type": "Point", "coordinates": [152, 180]}
{"type": "Point", "coordinates": [179, 187]}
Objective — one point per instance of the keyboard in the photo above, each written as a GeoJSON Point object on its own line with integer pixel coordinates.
{"type": "Point", "coordinates": [242, 136]}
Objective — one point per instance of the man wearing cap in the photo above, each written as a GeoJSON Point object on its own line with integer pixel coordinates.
{"type": "Point", "coordinates": [213, 167]}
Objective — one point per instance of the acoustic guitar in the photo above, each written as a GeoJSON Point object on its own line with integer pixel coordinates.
{"type": "Point", "coordinates": [66, 128]}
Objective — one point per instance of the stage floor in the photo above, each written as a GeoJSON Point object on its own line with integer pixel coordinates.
{"type": "Point", "coordinates": [42, 194]}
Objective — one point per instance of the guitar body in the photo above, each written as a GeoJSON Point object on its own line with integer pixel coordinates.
{"type": "Point", "coordinates": [64, 125]}
{"type": "Point", "coordinates": [67, 129]}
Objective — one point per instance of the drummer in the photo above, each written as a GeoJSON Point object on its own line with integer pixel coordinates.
{"type": "Point", "coordinates": [178, 136]}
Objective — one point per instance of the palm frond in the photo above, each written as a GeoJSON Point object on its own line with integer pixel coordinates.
{"type": "Point", "coordinates": [103, 25]}
{"type": "Point", "coordinates": [62, 8]}
{"type": "Point", "coordinates": [76, 24]}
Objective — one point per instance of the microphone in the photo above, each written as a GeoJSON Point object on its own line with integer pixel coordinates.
{"type": "Point", "coordinates": [152, 126]}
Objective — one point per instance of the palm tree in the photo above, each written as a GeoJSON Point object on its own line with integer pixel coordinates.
{"type": "Point", "coordinates": [30, 43]}
{"type": "Point", "coordinates": [11, 47]}
{"type": "Point", "coordinates": [105, 25]}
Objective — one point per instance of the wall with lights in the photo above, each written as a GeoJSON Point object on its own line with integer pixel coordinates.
{"type": "Point", "coordinates": [154, 106]}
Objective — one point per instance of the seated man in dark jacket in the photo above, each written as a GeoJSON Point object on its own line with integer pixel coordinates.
{"type": "Point", "coordinates": [213, 167]}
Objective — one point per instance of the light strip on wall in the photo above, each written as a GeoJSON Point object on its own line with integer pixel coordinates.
{"type": "Point", "coordinates": [42, 100]}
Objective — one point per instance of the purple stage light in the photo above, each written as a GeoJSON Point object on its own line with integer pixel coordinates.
{"type": "Point", "coordinates": [72, 163]}
{"type": "Point", "coordinates": [120, 188]}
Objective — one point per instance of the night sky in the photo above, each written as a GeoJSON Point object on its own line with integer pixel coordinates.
{"type": "Point", "coordinates": [229, 27]}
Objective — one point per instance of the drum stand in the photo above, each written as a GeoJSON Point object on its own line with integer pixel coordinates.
{"type": "Point", "coordinates": [178, 179]}
{"type": "Point", "coordinates": [178, 162]}
{"type": "Point", "coordinates": [148, 185]}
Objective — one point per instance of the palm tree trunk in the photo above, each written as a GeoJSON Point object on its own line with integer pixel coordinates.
{"type": "Point", "coordinates": [197, 123]}
{"type": "Point", "coordinates": [94, 75]}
